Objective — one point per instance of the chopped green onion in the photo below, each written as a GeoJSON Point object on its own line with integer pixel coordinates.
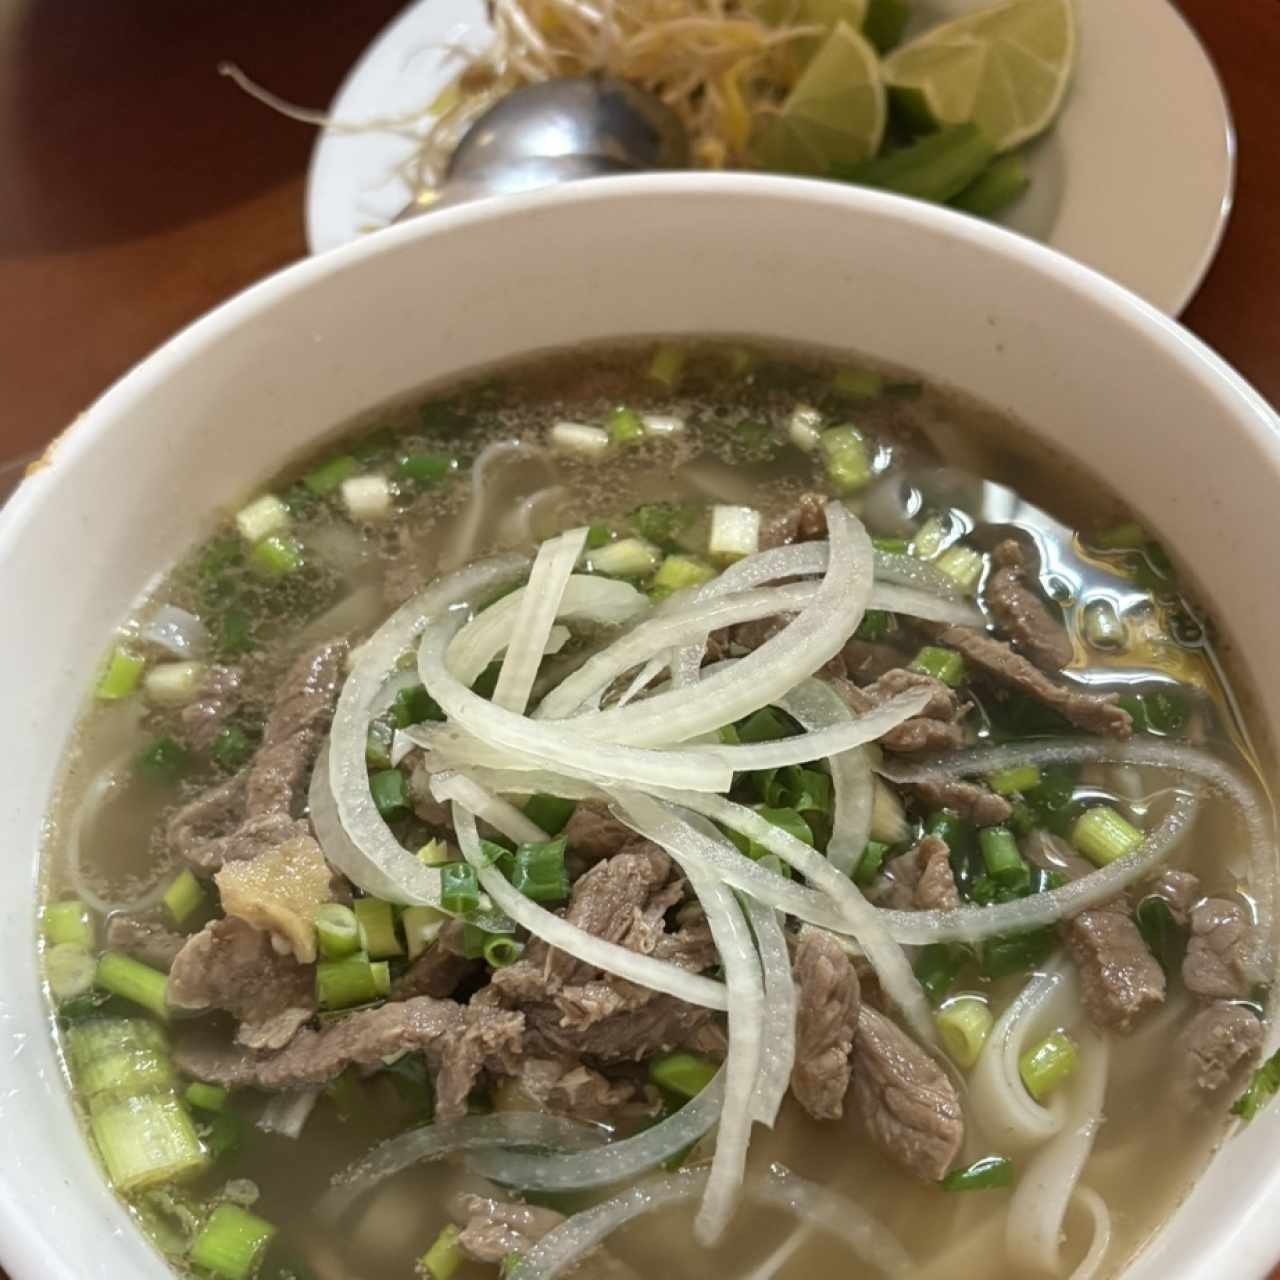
{"type": "Point", "coordinates": [435, 853]}
{"type": "Point", "coordinates": [857, 384]}
{"type": "Point", "coordinates": [163, 760]}
{"type": "Point", "coordinates": [1048, 1065]}
{"type": "Point", "coordinates": [445, 1257]}
{"type": "Point", "coordinates": [869, 863]}
{"type": "Point", "coordinates": [118, 1057]}
{"type": "Point", "coordinates": [1014, 780]}
{"type": "Point", "coordinates": [598, 535]}
{"type": "Point", "coordinates": [794, 787]}
{"type": "Point", "coordinates": [624, 425]}
{"type": "Point", "coordinates": [473, 940]}
{"type": "Point", "coordinates": [962, 565]}
{"type": "Point", "coordinates": [804, 428]}
{"type": "Point", "coordinates": [389, 792]}
{"type": "Point", "coordinates": [626, 558]}
{"type": "Point", "coordinates": [262, 518]}
{"type": "Point", "coordinates": [223, 1133]}
{"type": "Point", "coordinates": [929, 538]}
{"type": "Point", "coordinates": [888, 818]}
{"type": "Point", "coordinates": [459, 888]}
{"type": "Point", "coordinates": [876, 624]}
{"type": "Point", "coordinates": [1001, 858]}
{"type": "Point", "coordinates": [377, 744]}
{"type": "Point", "coordinates": [735, 532]}
{"type": "Point", "coordinates": [231, 748]}
{"type": "Point", "coordinates": [662, 523]}
{"type": "Point", "coordinates": [1102, 835]}
{"type": "Point", "coordinates": [1016, 952]}
{"type": "Point", "coordinates": [1166, 712]}
{"type": "Point", "coordinates": [501, 949]}
{"type": "Point", "coordinates": [67, 921]}
{"type": "Point", "coordinates": [981, 1175]}
{"type": "Point", "coordinates": [424, 469]}
{"type": "Point", "coordinates": [337, 930]}
{"type": "Point", "coordinates": [1166, 939]}
{"type": "Point", "coordinates": [70, 970]}
{"type": "Point", "coordinates": [377, 925]}
{"type": "Point", "coordinates": [121, 678]}
{"type": "Point", "coordinates": [942, 664]}
{"type": "Point", "coordinates": [206, 1097]}
{"type": "Point", "coordinates": [173, 684]}
{"type": "Point", "coordinates": [667, 365]}
{"type": "Point", "coordinates": [381, 973]}
{"type": "Point", "coordinates": [551, 813]}
{"type": "Point", "coordinates": [145, 1140]}
{"type": "Point", "coordinates": [130, 979]}
{"type": "Point", "coordinates": [276, 555]}
{"type": "Point", "coordinates": [964, 1024]}
{"type": "Point", "coordinates": [540, 872]}
{"type": "Point", "coordinates": [236, 632]}
{"type": "Point", "coordinates": [677, 572]}
{"type": "Point", "coordinates": [413, 706]}
{"type": "Point", "coordinates": [1120, 537]}
{"type": "Point", "coordinates": [183, 897]}
{"type": "Point", "coordinates": [844, 454]}
{"type": "Point", "coordinates": [891, 546]}
{"type": "Point", "coordinates": [684, 1074]}
{"type": "Point", "coordinates": [329, 475]}
{"type": "Point", "coordinates": [938, 967]}
{"type": "Point", "coordinates": [231, 1242]}
{"type": "Point", "coordinates": [1103, 626]}
{"type": "Point", "coordinates": [422, 926]}
{"type": "Point", "coordinates": [1263, 1084]}
{"type": "Point", "coordinates": [765, 725]}
{"type": "Point", "coordinates": [346, 982]}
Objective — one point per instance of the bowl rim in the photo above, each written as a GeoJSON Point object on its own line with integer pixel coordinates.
{"type": "Point", "coordinates": [22, 1247]}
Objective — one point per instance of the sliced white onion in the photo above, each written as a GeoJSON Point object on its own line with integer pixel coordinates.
{"type": "Point", "coordinates": [287, 1113]}
{"type": "Point", "coordinates": [364, 828]}
{"type": "Point", "coordinates": [553, 745]}
{"type": "Point", "coordinates": [602, 600]}
{"type": "Point", "coordinates": [176, 631]}
{"type": "Point", "coordinates": [1009, 1117]}
{"type": "Point", "coordinates": [643, 970]}
{"type": "Point", "coordinates": [907, 571]}
{"type": "Point", "coordinates": [818, 706]}
{"type": "Point", "coordinates": [619, 1161]}
{"type": "Point", "coordinates": [502, 816]}
{"type": "Point", "coordinates": [468, 1133]}
{"type": "Point", "coordinates": [1038, 1207]}
{"type": "Point", "coordinates": [916, 603]}
{"type": "Point", "coordinates": [778, 1049]}
{"type": "Point", "coordinates": [815, 636]}
{"type": "Point", "coordinates": [536, 615]}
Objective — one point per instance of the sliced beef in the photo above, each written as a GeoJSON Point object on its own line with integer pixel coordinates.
{"type": "Point", "coordinates": [233, 966]}
{"type": "Point", "coordinates": [566, 1087]}
{"type": "Point", "coordinates": [936, 888]}
{"type": "Point", "coordinates": [894, 888]}
{"type": "Point", "coordinates": [1051, 853]}
{"type": "Point", "coordinates": [1020, 612]}
{"type": "Point", "coordinates": [1179, 889]}
{"type": "Point", "coordinates": [149, 941]}
{"type": "Point", "coordinates": [978, 804]}
{"type": "Point", "coordinates": [867, 660]}
{"type": "Point", "coordinates": [805, 522]}
{"type": "Point", "coordinates": [909, 1106]}
{"type": "Point", "coordinates": [1218, 1045]}
{"type": "Point", "coordinates": [1119, 976]}
{"type": "Point", "coordinates": [934, 729]}
{"type": "Point", "coordinates": [826, 1022]}
{"type": "Point", "coordinates": [574, 1024]}
{"type": "Point", "coordinates": [459, 1042]}
{"type": "Point", "coordinates": [440, 970]}
{"type": "Point", "coordinates": [216, 702]}
{"type": "Point", "coordinates": [260, 807]}
{"type": "Point", "coordinates": [1224, 952]}
{"type": "Point", "coordinates": [1093, 712]}
{"type": "Point", "coordinates": [592, 832]}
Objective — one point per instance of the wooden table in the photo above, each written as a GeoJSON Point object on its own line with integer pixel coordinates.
{"type": "Point", "coordinates": [137, 188]}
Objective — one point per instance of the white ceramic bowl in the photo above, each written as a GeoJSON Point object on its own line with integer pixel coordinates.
{"type": "Point", "coordinates": [1094, 370]}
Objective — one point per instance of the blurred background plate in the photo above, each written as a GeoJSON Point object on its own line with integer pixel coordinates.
{"type": "Point", "coordinates": [1135, 179]}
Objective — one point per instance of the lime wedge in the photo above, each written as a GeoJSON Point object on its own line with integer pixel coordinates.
{"type": "Point", "coordinates": [835, 113]}
{"type": "Point", "coordinates": [1004, 69]}
{"type": "Point", "coordinates": [881, 21]}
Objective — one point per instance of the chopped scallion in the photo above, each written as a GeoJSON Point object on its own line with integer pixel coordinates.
{"type": "Point", "coordinates": [683, 1074]}
{"type": "Point", "coordinates": [422, 926]}
{"type": "Point", "coordinates": [276, 556]}
{"type": "Point", "coordinates": [67, 921]}
{"type": "Point", "coordinates": [425, 469]}
{"type": "Point", "coordinates": [70, 970]}
{"type": "Point", "coordinates": [120, 679]}
{"type": "Point", "coordinates": [963, 565]}
{"type": "Point", "coordinates": [735, 532]}
{"type": "Point", "coordinates": [1001, 858]}
{"type": "Point", "coordinates": [981, 1175]}
{"type": "Point", "coordinates": [443, 1260]}
{"type": "Point", "coordinates": [162, 760]}
{"type": "Point", "coordinates": [390, 794]}
{"type": "Point", "coordinates": [377, 923]}
{"type": "Point", "coordinates": [337, 930]}
{"type": "Point", "coordinates": [624, 425]}
{"type": "Point", "coordinates": [501, 949]}
{"type": "Point", "coordinates": [329, 475]}
{"type": "Point", "coordinates": [1048, 1065]}
{"type": "Point", "coordinates": [340, 984]}
{"type": "Point", "coordinates": [1262, 1087]}
{"type": "Point", "coordinates": [677, 572]}
{"type": "Point", "coordinates": [869, 863]}
{"type": "Point", "coordinates": [857, 384]}
{"type": "Point", "coordinates": [231, 1243]}
{"type": "Point", "coordinates": [459, 888]}
{"type": "Point", "coordinates": [1014, 780]}
{"type": "Point", "coordinates": [551, 813]}
{"type": "Point", "coordinates": [145, 1140]}
{"type": "Point", "coordinates": [844, 454]}
{"type": "Point", "coordinates": [183, 897]}
{"type": "Point", "coordinates": [1102, 835]}
{"type": "Point", "coordinates": [942, 664]}
{"type": "Point", "coordinates": [263, 517]}
{"type": "Point", "coordinates": [964, 1023]}
{"type": "Point", "coordinates": [938, 967]}
{"type": "Point", "coordinates": [626, 558]}
{"type": "Point", "coordinates": [414, 705]}
{"type": "Point", "coordinates": [540, 872]}
{"type": "Point", "coordinates": [205, 1097]}
{"type": "Point", "coordinates": [435, 853]}
{"type": "Point", "coordinates": [130, 979]}
{"type": "Point", "coordinates": [231, 748]}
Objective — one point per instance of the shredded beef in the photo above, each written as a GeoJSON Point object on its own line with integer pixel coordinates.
{"type": "Point", "coordinates": [1179, 889]}
{"type": "Point", "coordinates": [216, 701]}
{"type": "Point", "coordinates": [934, 729]}
{"type": "Point", "coordinates": [592, 832]}
{"type": "Point", "coordinates": [936, 889]}
{"type": "Point", "coordinates": [1224, 952]}
{"type": "Point", "coordinates": [150, 942]}
{"type": "Point", "coordinates": [805, 522]}
{"type": "Point", "coordinates": [566, 1087]}
{"type": "Point", "coordinates": [1020, 612]}
{"type": "Point", "coordinates": [826, 1021]}
{"type": "Point", "coordinates": [1093, 712]}
{"type": "Point", "coordinates": [233, 966]}
{"type": "Point", "coordinates": [909, 1106]}
{"type": "Point", "coordinates": [459, 1042]}
{"type": "Point", "coordinates": [1219, 1044]}
{"type": "Point", "coordinates": [1119, 976]}
{"type": "Point", "coordinates": [976, 803]}
{"type": "Point", "coordinates": [440, 970]}
{"type": "Point", "coordinates": [867, 660]}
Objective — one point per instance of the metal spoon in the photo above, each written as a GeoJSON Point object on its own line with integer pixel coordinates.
{"type": "Point", "coordinates": [559, 131]}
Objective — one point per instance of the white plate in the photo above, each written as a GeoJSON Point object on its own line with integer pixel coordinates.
{"type": "Point", "coordinates": [1135, 180]}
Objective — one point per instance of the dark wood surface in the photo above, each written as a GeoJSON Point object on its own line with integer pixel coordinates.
{"type": "Point", "coordinates": [138, 188]}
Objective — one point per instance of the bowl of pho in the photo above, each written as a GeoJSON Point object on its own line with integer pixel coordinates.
{"type": "Point", "coordinates": [675, 726]}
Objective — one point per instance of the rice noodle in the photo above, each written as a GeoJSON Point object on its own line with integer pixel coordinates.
{"type": "Point", "coordinates": [814, 637]}
{"type": "Point", "coordinates": [467, 1133]}
{"type": "Point", "coordinates": [1100, 1237]}
{"type": "Point", "coordinates": [602, 600]}
{"type": "Point", "coordinates": [552, 744]}
{"type": "Point", "coordinates": [1010, 1118]}
{"type": "Point", "coordinates": [176, 631]}
{"type": "Point", "coordinates": [556, 931]}
{"type": "Point", "coordinates": [287, 1113]}
{"type": "Point", "coordinates": [866, 1237]}
{"type": "Point", "coordinates": [536, 615]}
{"type": "Point", "coordinates": [400, 875]}
{"type": "Point", "coordinates": [1038, 1206]}
{"type": "Point", "coordinates": [778, 1049]}
{"type": "Point", "coordinates": [772, 1266]}
{"type": "Point", "coordinates": [618, 1161]}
